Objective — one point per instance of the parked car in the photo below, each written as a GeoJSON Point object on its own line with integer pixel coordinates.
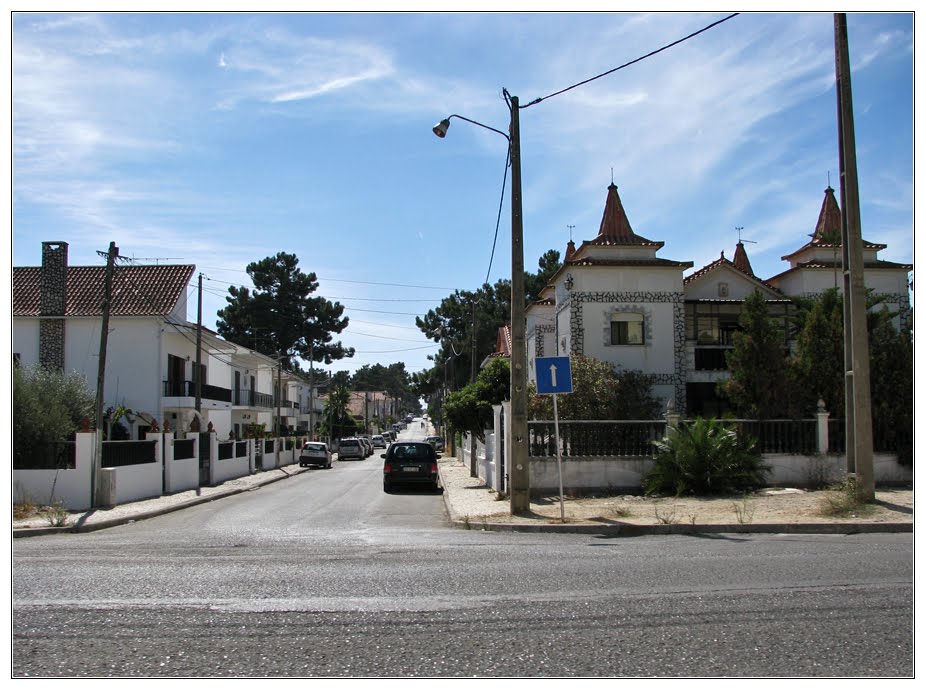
{"type": "Point", "coordinates": [351, 448]}
{"type": "Point", "coordinates": [314, 454]}
{"type": "Point", "coordinates": [437, 442]}
{"type": "Point", "coordinates": [378, 441]}
{"type": "Point", "coordinates": [410, 463]}
{"type": "Point", "coordinates": [367, 444]}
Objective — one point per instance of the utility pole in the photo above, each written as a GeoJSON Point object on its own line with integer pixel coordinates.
{"type": "Point", "coordinates": [519, 471]}
{"type": "Point", "coordinates": [279, 392]}
{"type": "Point", "coordinates": [858, 382]}
{"type": "Point", "coordinates": [472, 372]}
{"type": "Point", "coordinates": [199, 347]}
{"type": "Point", "coordinates": [101, 370]}
{"type": "Point", "coordinates": [312, 390]}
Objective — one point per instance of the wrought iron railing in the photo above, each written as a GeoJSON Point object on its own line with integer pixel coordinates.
{"type": "Point", "coordinates": [614, 438]}
{"type": "Point", "coordinates": [780, 435]}
{"type": "Point", "coordinates": [187, 389]}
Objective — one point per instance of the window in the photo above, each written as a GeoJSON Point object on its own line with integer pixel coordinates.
{"type": "Point", "coordinates": [627, 329]}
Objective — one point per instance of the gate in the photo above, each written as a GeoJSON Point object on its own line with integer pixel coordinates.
{"type": "Point", "coordinates": [204, 446]}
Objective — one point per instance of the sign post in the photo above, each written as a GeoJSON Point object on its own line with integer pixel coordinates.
{"type": "Point", "coordinates": [554, 376]}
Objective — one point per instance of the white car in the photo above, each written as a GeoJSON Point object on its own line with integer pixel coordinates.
{"type": "Point", "coordinates": [314, 455]}
{"type": "Point", "coordinates": [378, 441]}
{"type": "Point", "coordinates": [351, 448]}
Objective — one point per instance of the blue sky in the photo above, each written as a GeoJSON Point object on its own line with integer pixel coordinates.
{"type": "Point", "coordinates": [220, 139]}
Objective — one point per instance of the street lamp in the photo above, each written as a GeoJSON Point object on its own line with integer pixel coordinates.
{"type": "Point", "coordinates": [519, 469]}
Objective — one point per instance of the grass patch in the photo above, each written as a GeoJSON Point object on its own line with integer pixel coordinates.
{"type": "Point", "coordinates": [666, 517]}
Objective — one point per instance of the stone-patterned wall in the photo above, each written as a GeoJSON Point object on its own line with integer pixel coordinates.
{"type": "Point", "coordinates": [677, 299]}
{"type": "Point", "coordinates": [538, 337]}
{"type": "Point", "coordinates": [53, 302]}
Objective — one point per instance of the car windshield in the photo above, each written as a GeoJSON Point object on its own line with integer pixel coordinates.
{"type": "Point", "coordinates": [314, 446]}
{"type": "Point", "coordinates": [349, 443]}
{"type": "Point", "coordinates": [412, 452]}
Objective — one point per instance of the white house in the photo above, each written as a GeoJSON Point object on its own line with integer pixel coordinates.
{"type": "Point", "coordinates": [151, 350]}
{"type": "Point", "coordinates": [613, 299]}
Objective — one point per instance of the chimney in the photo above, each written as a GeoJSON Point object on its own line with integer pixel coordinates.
{"type": "Point", "coordinates": [52, 303]}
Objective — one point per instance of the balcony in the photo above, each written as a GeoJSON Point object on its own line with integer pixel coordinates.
{"type": "Point", "coordinates": [248, 398]}
{"type": "Point", "coordinates": [187, 389]}
{"type": "Point", "coordinates": [711, 357]}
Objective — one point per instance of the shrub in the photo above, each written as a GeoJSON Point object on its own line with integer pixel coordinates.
{"type": "Point", "coordinates": [703, 458]}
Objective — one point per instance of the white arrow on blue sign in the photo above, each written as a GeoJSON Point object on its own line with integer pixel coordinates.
{"type": "Point", "coordinates": [554, 375]}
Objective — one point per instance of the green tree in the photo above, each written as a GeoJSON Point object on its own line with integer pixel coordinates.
{"type": "Point", "coordinates": [470, 409]}
{"type": "Point", "coordinates": [282, 316]}
{"type": "Point", "coordinates": [600, 392]}
{"type": "Point", "coordinates": [758, 386]}
{"type": "Point", "coordinates": [337, 421]}
{"type": "Point", "coordinates": [48, 406]}
{"type": "Point", "coordinates": [453, 322]}
{"type": "Point", "coordinates": [891, 368]}
{"type": "Point", "coordinates": [819, 359]}
{"type": "Point", "coordinates": [534, 283]}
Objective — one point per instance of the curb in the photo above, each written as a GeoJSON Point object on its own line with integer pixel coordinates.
{"type": "Point", "coordinates": [155, 512]}
{"type": "Point", "coordinates": [630, 530]}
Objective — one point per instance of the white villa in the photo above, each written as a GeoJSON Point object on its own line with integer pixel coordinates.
{"type": "Point", "coordinates": [615, 300]}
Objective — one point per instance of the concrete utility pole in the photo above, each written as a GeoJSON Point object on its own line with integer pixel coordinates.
{"type": "Point", "coordinates": [519, 471]}
{"type": "Point", "coordinates": [859, 444]}
{"type": "Point", "coordinates": [101, 370]}
{"type": "Point", "coordinates": [199, 346]}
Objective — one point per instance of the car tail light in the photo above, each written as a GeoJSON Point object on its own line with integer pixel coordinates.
{"type": "Point", "coordinates": [433, 468]}
{"type": "Point", "coordinates": [387, 468]}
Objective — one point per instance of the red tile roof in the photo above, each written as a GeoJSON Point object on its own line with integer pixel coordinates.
{"type": "Point", "coordinates": [740, 263]}
{"type": "Point", "coordinates": [615, 228]}
{"type": "Point", "coordinates": [137, 290]}
{"type": "Point", "coordinates": [828, 232]}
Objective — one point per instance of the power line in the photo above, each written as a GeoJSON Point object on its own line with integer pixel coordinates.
{"type": "Point", "coordinates": [499, 218]}
{"type": "Point", "coordinates": [627, 64]}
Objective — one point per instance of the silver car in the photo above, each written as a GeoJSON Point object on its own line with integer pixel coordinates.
{"type": "Point", "coordinates": [351, 448]}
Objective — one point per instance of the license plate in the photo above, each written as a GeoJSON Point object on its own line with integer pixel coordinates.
{"type": "Point", "coordinates": [409, 469]}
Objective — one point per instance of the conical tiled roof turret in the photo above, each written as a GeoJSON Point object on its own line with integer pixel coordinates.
{"type": "Point", "coordinates": [570, 250]}
{"type": "Point", "coordinates": [741, 261]}
{"type": "Point", "coordinates": [615, 228]}
{"type": "Point", "coordinates": [829, 224]}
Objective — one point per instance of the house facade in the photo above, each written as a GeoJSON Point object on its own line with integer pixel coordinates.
{"type": "Point", "coordinates": [615, 300]}
{"type": "Point", "coordinates": [151, 356]}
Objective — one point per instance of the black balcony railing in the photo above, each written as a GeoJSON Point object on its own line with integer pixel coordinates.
{"type": "Point", "coordinates": [187, 389]}
{"type": "Point", "coordinates": [711, 358]}
{"type": "Point", "coordinates": [249, 398]}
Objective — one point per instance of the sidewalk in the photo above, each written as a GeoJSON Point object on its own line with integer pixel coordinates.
{"type": "Point", "coordinates": [471, 505]}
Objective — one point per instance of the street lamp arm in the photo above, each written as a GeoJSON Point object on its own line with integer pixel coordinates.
{"type": "Point", "coordinates": [440, 129]}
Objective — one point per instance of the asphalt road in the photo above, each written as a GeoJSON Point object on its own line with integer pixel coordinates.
{"type": "Point", "coordinates": [325, 575]}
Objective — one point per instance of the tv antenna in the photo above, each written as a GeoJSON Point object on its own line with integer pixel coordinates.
{"type": "Point", "coordinates": [570, 231]}
{"type": "Point", "coordinates": [739, 235]}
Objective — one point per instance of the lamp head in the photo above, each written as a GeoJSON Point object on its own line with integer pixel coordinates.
{"type": "Point", "coordinates": [440, 129]}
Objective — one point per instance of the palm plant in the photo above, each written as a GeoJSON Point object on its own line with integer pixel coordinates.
{"type": "Point", "coordinates": [706, 457]}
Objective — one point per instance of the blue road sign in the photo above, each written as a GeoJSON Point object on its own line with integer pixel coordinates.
{"type": "Point", "coordinates": [554, 375]}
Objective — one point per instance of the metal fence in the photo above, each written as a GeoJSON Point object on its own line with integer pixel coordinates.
{"type": "Point", "coordinates": [125, 453]}
{"type": "Point", "coordinates": [634, 438]}
{"type": "Point", "coordinates": [780, 435]}
{"type": "Point", "coordinates": [615, 438]}
{"type": "Point", "coordinates": [183, 449]}
{"type": "Point", "coordinates": [60, 455]}
{"type": "Point", "coordinates": [226, 450]}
